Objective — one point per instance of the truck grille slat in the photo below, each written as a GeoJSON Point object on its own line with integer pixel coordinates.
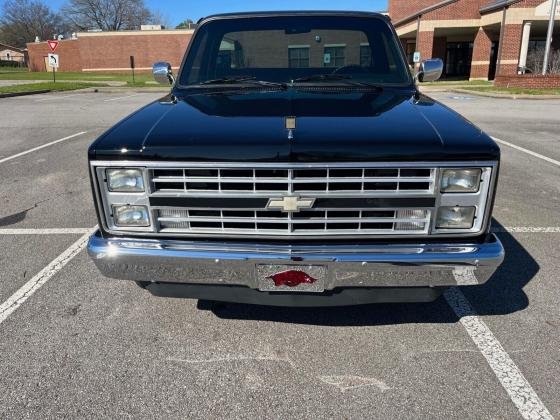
{"type": "Point", "coordinates": [316, 180]}
{"type": "Point", "coordinates": [326, 218]}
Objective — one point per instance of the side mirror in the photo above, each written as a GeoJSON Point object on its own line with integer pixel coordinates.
{"type": "Point", "coordinates": [430, 70]}
{"type": "Point", "coordinates": [162, 73]}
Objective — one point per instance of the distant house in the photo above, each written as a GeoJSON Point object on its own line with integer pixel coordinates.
{"type": "Point", "coordinates": [9, 53]}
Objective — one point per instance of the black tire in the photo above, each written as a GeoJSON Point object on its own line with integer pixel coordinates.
{"type": "Point", "coordinates": [142, 284]}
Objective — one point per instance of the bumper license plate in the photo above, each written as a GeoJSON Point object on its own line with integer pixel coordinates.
{"type": "Point", "coordinates": [291, 278]}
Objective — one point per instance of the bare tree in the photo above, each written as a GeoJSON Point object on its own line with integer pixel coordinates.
{"type": "Point", "coordinates": [23, 20]}
{"type": "Point", "coordinates": [535, 59]}
{"type": "Point", "coordinates": [107, 15]}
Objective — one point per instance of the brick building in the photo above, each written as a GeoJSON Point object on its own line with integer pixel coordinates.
{"type": "Point", "coordinates": [476, 39]}
{"type": "Point", "coordinates": [111, 51]}
{"type": "Point", "coordinates": [9, 53]}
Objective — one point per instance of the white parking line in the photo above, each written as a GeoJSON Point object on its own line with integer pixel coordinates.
{"type": "Point", "coordinates": [29, 288]}
{"type": "Point", "coordinates": [50, 98]}
{"type": "Point", "coordinates": [529, 152]}
{"type": "Point", "coordinates": [526, 229]}
{"type": "Point", "coordinates": [518, 388]}
{"type": "Point", "coordinates": [42, 147]}
{"type": "Point", "coordinates": [122, 97]}
{"type": "Point", "coordinates": [55, 231]}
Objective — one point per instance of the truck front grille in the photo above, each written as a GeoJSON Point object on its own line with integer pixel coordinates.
{"type": "Point", "coordinates": [347, 201]}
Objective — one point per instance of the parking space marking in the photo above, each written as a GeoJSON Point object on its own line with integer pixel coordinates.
{"type": "Point", "coordinates": [42, 146]}
{"type": "Point", "coordinates": [526, 229]}
{"type": "Point", "coordinates": [529, 152]}
{"type": "Point", "coordinates": [121, 97]}
{"type": "Point", "coordinates": [518, 388]}
{"type": "Point", "coordinates": [50, 98]}
{"type": "Point", "coordinates": [29, 288]}
{"type": "Point", "coordinates": [55, 231]}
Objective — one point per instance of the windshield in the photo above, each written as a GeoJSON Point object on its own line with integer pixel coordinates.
{"type": "Point", "coordinates": [288, 49]}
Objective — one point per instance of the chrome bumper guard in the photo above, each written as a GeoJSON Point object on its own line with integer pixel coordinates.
{"type": "Point", "coordinates": [347, 266]}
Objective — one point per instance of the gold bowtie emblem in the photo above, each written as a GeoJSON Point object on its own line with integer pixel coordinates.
{"type": "Point", "coordinates": [290, 204]}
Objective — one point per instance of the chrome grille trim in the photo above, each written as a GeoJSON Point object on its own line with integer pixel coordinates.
{"type": "Point", "coordinates": [319, 181]}
{"type": "Point", "coordinates": [105, 198]}
{"type": "Point", "coordinates": [330, 221]}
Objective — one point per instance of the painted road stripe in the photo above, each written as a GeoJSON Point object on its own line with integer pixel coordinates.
{"type": "Point", "coordinates": [526, 229]}
{"type": "Point", "coordinates": [56, 231]}
{"type": "Point", "coordinates": [42, 147]}
{"type": "Point", "coordinates": [29, 288]}
{"type": "Point", "coordinates": [518, 388]}
{"type": "Point", "coordinates": [529, 152]}
{"type": "Point", "coordinates": [121, 97]}
{"type": "Point", "coordinates": [53, 97]}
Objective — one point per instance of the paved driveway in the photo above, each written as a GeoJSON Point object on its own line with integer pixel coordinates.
{"type": "Point", "coordinates": [74, 344]}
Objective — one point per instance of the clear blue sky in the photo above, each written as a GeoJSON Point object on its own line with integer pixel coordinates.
{"type": "Point", "coordinates": [178, 10]}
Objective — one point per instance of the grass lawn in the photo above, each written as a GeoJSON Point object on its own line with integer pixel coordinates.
{"type": "Point", "coordinates": [513, 91]}
{"type": "Point", "coordinates": [67, 76]}
{"type": "Point", "coordinates": [62, 86]}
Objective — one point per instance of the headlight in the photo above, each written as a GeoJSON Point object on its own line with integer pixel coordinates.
{"type": "Point", "coordinates": [125, 180]}
{"type": "Point", "coordinates": [131, 216]}
{"type": "Point", "coordinates": [460, 180]}
{"type": "Point", "coordinates": [455, 217]}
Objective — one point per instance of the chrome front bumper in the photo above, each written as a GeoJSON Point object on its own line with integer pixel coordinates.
{"type": "Point", "coordinates": [347, 266]}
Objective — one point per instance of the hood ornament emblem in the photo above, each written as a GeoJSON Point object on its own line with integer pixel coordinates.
{"type": "Point", "coordinates": [290, 126]}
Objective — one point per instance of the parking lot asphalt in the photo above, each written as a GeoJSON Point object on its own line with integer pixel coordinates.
{"type": "Point", "coordinates": [85, 346]}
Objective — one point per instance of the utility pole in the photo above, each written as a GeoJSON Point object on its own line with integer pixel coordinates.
{"type": "Point", "coordinates": [553, 7]}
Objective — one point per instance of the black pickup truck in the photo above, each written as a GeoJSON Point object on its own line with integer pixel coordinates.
{"type": "Point", "coordinates": [295, 162]}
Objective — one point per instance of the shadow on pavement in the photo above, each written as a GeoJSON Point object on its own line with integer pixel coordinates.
{"type": "Point", "coordinates": [502, 294]}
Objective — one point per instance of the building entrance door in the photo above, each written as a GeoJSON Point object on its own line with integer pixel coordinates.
{"type": "Point", "coordinates": [458, 59]}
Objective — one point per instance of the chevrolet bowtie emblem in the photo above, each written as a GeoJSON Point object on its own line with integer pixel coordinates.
{"type": "Point", "coordinates": [290, 204]}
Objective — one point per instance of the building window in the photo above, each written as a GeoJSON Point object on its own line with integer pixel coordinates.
{"type": "Point", "coordinates": [334, 56]}
{"type": "Point", "coordinates": [365, 56]}
{"type": "Point", "coordinates": [298, 56]}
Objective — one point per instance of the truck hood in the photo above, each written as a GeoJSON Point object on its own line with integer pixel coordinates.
{"type": "Point", "coordinates": [335, 125]}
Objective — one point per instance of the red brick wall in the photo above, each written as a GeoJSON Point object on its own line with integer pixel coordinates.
{"type": "Point", "coordinates": [68, 52]}
{"type": "Point", "coordinates": [112, 52]}
{"type": "Point", "coordinates": [510, 49]}
{"type": "Point", "coordinates": [481, 52]}
{"type": "Point", "coordinates": [399, 9]}
{"type": "Point", "coordinates": [462, 9]}
{"type": "Point", "coordinates": [529, 81]}
{"type": "Point", "coordinates": [426, 44]}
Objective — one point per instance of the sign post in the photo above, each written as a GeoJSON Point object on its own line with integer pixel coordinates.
{"type": "Point", "coordinates": [53, 58]}
{"type": "Point", "coordinates": [132, 67]}
{"type": "Point", "coordinates": [54, 63]}
{"type": "Point", "coordinates": [553, 9]}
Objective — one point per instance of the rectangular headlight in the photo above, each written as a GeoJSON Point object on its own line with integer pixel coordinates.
{"type": "Point", "coordinates": [460, 180]}
{"type": "Point", "coordinates": [125, 180]}
{"type": "Point", "coordinates": [131, 216]}
{"type": "Point", "coordinates": [455, 217]}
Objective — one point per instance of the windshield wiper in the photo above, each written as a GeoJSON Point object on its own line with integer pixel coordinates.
{"type": "Point", "coordinates": [322, 77]}
{"type": "Point", "coordinates": [242, 80]}
{"type": "Point", "coordinates": [344, 78]}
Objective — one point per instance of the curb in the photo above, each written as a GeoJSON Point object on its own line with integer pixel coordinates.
{"type": "Point", "coordinates": [505, 95]}
{"type": "Point", "coordinates": [436, 89]}
{"type": "Point", "coordinates": [15, 94]}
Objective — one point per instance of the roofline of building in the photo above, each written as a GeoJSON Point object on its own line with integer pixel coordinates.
{"type": "Point", "coordinates": [424, 11]}
{"type": "Point", "coordinates": [9, 47]}
{"type": "Point", "coordinates": [135, 32]}
{"type": "Point", "coordinates": [498, 5]}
